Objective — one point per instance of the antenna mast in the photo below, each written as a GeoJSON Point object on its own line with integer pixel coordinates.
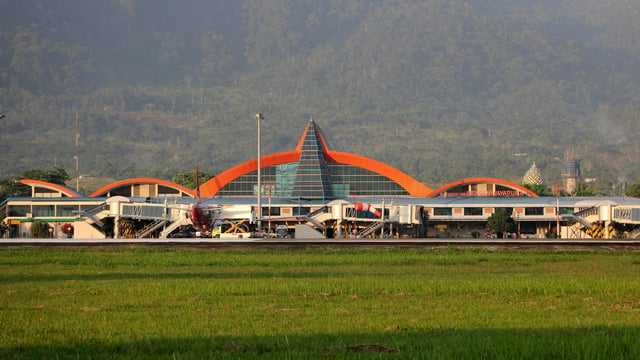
{"type": "Point", "coordinates": [76, 156]}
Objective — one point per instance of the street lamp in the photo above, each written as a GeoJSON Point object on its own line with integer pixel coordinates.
{"type": "Point", "coordinates": [557, 190]}
{"type": "Point", "coordinates": [258, 118]}
{"type": "Point", "coordinates": [270, 188]}
{"type": "Point", "coordinates": [75, 157]}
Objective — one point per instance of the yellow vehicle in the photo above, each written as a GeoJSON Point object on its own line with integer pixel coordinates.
{"type": "Point", "coordinates": [231, 229]}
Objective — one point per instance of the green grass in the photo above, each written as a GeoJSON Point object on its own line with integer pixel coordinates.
{"type": "Point", "coordinates": [149, 303]}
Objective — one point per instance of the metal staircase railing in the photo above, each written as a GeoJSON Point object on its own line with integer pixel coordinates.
{"type": "Point", "coordinates": [634, 233]}
{"type": "Point", "coordinates": [594, 210]}
{"type": "Point", "coordinates": [311, 217]}
{"type": "Point", "coordinates": [370, 229]}
{"type": "Point", "coordinates": [315, 223]}
{"type": "Point", "coordinates": [91, 214]}
{"type": "Point", "coordinates": [318, 211]}
{"type": "Point", "coordinates": [174, 225]}
{"type": "Point", "coordinates": [580, 216]}
{"type": "Point", "coordinates": [151, 227]}
{"type": "Point", "coordinates": [96, 209]}
{"type": "Point", "coordinates": [577, 219]}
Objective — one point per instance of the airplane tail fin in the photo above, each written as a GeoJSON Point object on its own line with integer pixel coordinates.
{"type": "Point", "coordinates": [197, 184]}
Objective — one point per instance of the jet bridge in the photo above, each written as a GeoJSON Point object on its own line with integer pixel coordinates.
{"type": "Point", "coordinates": [599, 221]}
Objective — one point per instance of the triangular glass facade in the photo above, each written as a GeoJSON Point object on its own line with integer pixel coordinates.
{"type": "Point", "coordinates": [312, 178]}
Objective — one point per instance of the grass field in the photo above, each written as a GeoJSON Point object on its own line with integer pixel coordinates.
{"type": "Point", "coordinates": [150, 303]}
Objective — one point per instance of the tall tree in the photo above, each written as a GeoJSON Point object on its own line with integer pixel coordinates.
{"type": "Point", "coordinates": [55, 175]}
{"type": "Point", "coordinates": [633, 190]}
{"type": "Point", "coordinates": [188, 180]}
{"type": "Point", "coordinates": [501, 221]}
{"type": "Point", "coordinates": [12, 187]}
{"type": "Point", "coordinates": [539, 189]}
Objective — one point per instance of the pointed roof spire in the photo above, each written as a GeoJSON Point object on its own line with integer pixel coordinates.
{"type": "Point", "coordinates": [317, 133]}
{"type": "Point", "coordinates": [312, 178]}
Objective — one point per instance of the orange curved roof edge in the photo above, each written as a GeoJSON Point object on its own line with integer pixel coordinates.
{"type": "Point", "coordinates": [413, 186]}
{"type": "Point", "coordinates": [118, 184]}
{"type": "Point", "coordinates": [484, 180]}
{"type": "Point", "coordinates": [63, 189]}
{"type": "Point", "coordinates": [211, 187]}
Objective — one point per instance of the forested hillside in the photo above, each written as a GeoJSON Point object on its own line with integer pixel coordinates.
{"type": "Point", "coordinates": [441, 89]}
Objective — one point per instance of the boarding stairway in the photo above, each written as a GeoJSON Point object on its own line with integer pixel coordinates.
{"type": "Point", "coordinates": [174, 225]}
{"type": "Point", "coordinates": [91, 214]}
{"type": "Point", "coordinates": [594, 226]}
{"type": "Point", "coordinates": [577, 219]}
{"type": "Point", "coordinates": [373, 227]}
{"type": "Point", "coordinates": [594, 210]}
{"type": "Point", "coordinates": [581, 216]}
{"type": "Point", "coordinates": [635, 233]}
{"type": "Point", "coordinates": [315, 217]}
{"type": "Point", "coordinates": [586, 222]}
{"type": "Point", "coordinates": [150, 228]}
{"type": "Point", "coordinates": [591, 222]}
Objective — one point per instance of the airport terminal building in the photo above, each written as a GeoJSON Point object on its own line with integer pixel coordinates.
{"type": "Point", "coordinates": [314, 191]}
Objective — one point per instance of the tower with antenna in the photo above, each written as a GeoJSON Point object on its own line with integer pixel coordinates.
{"type": "Point", "coordinates": [571, 172]}
{"type": "Point", "coordinates": [76, 156]}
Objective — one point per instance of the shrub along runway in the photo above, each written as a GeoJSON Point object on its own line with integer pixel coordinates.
{"type": "Point", "coordinates": [142, 302]}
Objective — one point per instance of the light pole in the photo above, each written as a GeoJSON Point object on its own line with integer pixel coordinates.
{"type": "Point", "coordinates": [270, 189]}
{"type": "Point", "coordinates": [258, 118]}
{"type": "Point", "coordinates": [557, 189]}
{"type": "Point", "coordinates": [558, 216]}
{"type": "Point", "coordinates": [77, 156]}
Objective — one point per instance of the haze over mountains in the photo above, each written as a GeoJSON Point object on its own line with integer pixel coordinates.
{"type": "Point", "coordinates": [443, 90]}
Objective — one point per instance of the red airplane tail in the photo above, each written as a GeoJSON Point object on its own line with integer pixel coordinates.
{"type": "Point", "coordinates": [197, 185]}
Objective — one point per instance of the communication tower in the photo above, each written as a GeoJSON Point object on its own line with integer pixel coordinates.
{"type": "Point", "coordinates": [571, 172]}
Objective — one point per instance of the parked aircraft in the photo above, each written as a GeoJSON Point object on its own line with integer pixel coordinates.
{"type": "Point", "coordinates": [201, 215]}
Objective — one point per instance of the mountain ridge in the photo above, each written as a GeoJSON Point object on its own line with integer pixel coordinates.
{"type": "Point", "coordinates": [442, 90]}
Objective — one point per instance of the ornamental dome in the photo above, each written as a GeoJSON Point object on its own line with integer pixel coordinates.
{"type": "Point", "coordinates": [533, 176]}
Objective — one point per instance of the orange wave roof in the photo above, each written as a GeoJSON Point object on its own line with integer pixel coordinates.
{"type": "Point", "coordinates": [413, 187]}
{"type": "Point", "coordinates": [484, 180]}
{"type": "Point", "coordinates": [102, 191]}
{"type": "Point", "coordinates": [51, 186]}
